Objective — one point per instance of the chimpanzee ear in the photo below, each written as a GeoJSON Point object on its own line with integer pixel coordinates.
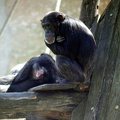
{"type": "Point", "coordinates": [60, 17]}
{"type": "Point", "coordinates": [41, 20]}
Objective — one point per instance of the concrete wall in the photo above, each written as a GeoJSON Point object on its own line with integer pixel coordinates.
{"type": "Point", "coordinates": [21, 36]}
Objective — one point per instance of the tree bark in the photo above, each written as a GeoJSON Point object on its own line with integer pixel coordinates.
{"type": "Point", "coordinates": [104, 96]}
{"type": "Point", "coordinates": [89, 11]}
{"type": "Point", "coordinates": [46, 104]}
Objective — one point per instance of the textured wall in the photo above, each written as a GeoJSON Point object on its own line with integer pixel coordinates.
{"type": "Point", "coordinates": [22, 36]}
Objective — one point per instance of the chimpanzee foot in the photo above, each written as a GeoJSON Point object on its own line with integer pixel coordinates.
{"type": "Point", "coordinates": [82, 87]}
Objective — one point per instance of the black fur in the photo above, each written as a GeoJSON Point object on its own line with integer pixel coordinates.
{"type": "Point", "coordinates": [79, 46]}
{"type": "Point", "coordinates": [24, 81]}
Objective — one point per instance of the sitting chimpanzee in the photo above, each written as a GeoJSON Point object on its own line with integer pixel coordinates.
{"type": "Point", "coordinates": [37, 71]}
{"type": "Point", "coordinates": [73, 43]}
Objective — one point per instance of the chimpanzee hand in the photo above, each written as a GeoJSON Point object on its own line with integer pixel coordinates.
{"type": "Point", "coordinates": [60, 38]}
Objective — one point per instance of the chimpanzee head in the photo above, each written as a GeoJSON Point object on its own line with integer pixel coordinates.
{"type": "Point", "coordinates": [50, 23]}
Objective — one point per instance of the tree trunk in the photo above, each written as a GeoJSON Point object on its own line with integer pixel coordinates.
{"type": "Point", "coordinates": [104, 97]}
{"type": "Point", "coordinates": [89, 11]}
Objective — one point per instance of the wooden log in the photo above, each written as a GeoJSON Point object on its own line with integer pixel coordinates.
{"type": "Point", "coordinates": [56, 108]}
{"type": "Point", "coordinates": [45, 104]}
{"type": "Point", "coordinates": [5, 80]}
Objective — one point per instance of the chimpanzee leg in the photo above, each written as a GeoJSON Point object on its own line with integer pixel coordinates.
{"type": "Point", "coordinates": [23, 86]}
{"type": "Point", "coordinates": [70, 69]}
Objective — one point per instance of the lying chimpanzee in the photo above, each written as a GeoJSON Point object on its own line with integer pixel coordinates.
{"type": "Point", "coordinates": [37, 71]}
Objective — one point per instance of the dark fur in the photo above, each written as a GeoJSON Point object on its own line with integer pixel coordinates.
{"type": "Point", "coordinates": [24, 81]}
{"type": "Point", "coordinates": [75, 55]}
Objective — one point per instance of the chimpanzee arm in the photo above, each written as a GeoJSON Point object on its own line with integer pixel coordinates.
{"type": "Point", "coordinates": [23, 86]}
{"type": "Point", "coordinates": [68, 47]}
{"type": "Point", "coordinates": [25, 72]}
{"type": "Point", "coordinates": [58, 48]}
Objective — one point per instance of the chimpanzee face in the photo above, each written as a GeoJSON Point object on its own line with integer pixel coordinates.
{"type": "Point", "coordinates": [38, 72]}
{"type": "Point", "coordinates": [50, 23]}
{"type": "Point", "coordinates": [50, 32]}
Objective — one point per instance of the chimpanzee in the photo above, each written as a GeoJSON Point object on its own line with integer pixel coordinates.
{"type": "Point", "coordinates": [37, 71]}
{"type": "Point", "coordinates": [73, 43]}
